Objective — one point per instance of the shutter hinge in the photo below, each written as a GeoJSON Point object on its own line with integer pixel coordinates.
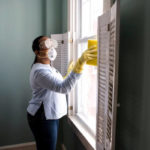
{"type": "Point", "coordinates": [70, 107]}
{"type": "Point", "coordinates": [62, 42]}
{"type": "Point", "coordinates": [71, 40]}
{"type": "Point", "coordinates": [108, 27]}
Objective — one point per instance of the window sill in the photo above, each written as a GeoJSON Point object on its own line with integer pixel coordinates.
{"type": "Point", "coordinates": [85, 137]}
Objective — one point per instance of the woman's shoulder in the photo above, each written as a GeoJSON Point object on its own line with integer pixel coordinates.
{"type": "Point", "coordinates": [40, 69]}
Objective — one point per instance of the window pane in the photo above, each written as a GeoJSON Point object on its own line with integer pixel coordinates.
{"type": "Point", "coordinates": [91, 9]}
{"type": "Point", "coordinates": [87, 94]}
{"type": "Point", "coordinates": [86, 17]}
{"type": "Point", "coordinates": [87, 86]}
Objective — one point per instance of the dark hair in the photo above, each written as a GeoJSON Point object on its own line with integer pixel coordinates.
{"type": "Point", "coordinates": [35, 46]}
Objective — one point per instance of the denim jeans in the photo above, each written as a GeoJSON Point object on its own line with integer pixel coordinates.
{"type": "Point", "coordinates": [45, 131]}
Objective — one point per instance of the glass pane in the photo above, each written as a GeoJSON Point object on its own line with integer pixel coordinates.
{"type": "Point", "coordinates": [85, 18]}
{"type": "Point", "coordinates": [87, 86]}
{"type": "Point", "coordinates": [87, 94]}
{"type": "Point", "coordinates": [90, 10]}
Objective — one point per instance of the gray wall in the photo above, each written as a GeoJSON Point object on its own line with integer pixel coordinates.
{"type": "Point", "coordinates": [53, 16]}
{"type": "Point", "coordinates": [70, 140]}
{"type": "Point", "coordinates": [20, 22]}
{"type": "Point", "coordinates": [64, 16]}
{"type": "Point", "coordinates": [133, 132]}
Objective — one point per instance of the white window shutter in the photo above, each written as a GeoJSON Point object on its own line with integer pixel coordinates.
{"type": "Point", "coordinates": [57, 62]}
{"type": "Point", "coordinates": [64, 54]}
{"type": "Point", "coordinates": [61, 61]}
{"type": "Point", "coordinates": [108, 49]}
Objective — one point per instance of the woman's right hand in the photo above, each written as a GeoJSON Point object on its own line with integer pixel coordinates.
{"type": "Point", "coordinates": [87, 55]}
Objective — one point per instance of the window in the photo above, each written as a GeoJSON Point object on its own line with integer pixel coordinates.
{"type": "Point", "coordinates": [84, 27]}
{"type": "Point", "coordinates": [87, 12]}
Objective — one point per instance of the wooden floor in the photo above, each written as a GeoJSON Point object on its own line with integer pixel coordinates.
{"type": "Point", "coordinates": [24, 146]}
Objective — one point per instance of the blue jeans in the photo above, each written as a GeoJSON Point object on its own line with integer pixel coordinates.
{"type": "Point", "coordinates": [45, 131]}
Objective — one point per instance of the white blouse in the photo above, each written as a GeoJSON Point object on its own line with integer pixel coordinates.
{"type": "Point", "coordinates": [49, 87]}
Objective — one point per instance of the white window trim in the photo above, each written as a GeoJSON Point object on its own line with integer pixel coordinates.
{"type": "Point", "coordinates": [81, 130]}
{"type": "Point", "coordinates": [87, 138]}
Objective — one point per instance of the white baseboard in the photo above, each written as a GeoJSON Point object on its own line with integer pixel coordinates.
{"type": "Point", "coordinates": [23, 146]}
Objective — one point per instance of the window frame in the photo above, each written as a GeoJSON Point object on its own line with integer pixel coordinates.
{"type": "Point", "coordinates": [85, 136]}
{"type": "Point", "coordinates": [74, 40]}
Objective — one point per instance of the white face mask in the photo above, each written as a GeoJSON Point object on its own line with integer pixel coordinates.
{"type": "Point", "coordinates": [52, 54]}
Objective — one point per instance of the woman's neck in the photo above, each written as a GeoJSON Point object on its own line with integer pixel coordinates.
{"type": "Point", "coordinates": [43, 61]}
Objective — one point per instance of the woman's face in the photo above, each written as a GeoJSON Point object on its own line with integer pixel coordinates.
{"type": "Point", "coordinates": [46, 48]}
{"type": "Point", "coordinates": [43, 52]}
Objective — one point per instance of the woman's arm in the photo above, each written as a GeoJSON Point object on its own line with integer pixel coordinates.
{"type": "Point", "coordinates": [70, 68]}
{"type": "Point", "coordinates": [45, 79]}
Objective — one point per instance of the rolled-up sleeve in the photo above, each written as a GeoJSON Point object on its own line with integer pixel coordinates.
{"type": "Point", "coordinates": [45, 79]}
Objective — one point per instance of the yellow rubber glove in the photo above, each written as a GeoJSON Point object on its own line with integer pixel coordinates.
{"type": "Point", "coordinates": [70, 68]}
{"type": "Point", "coordinates": [88, 55]}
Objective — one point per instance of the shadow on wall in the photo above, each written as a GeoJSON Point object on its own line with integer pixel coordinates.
{"type": "Point", "coordinates": [68, 137]}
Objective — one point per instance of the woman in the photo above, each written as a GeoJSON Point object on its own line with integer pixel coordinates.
{"type": "Point", "coordinates": [48, 103]}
